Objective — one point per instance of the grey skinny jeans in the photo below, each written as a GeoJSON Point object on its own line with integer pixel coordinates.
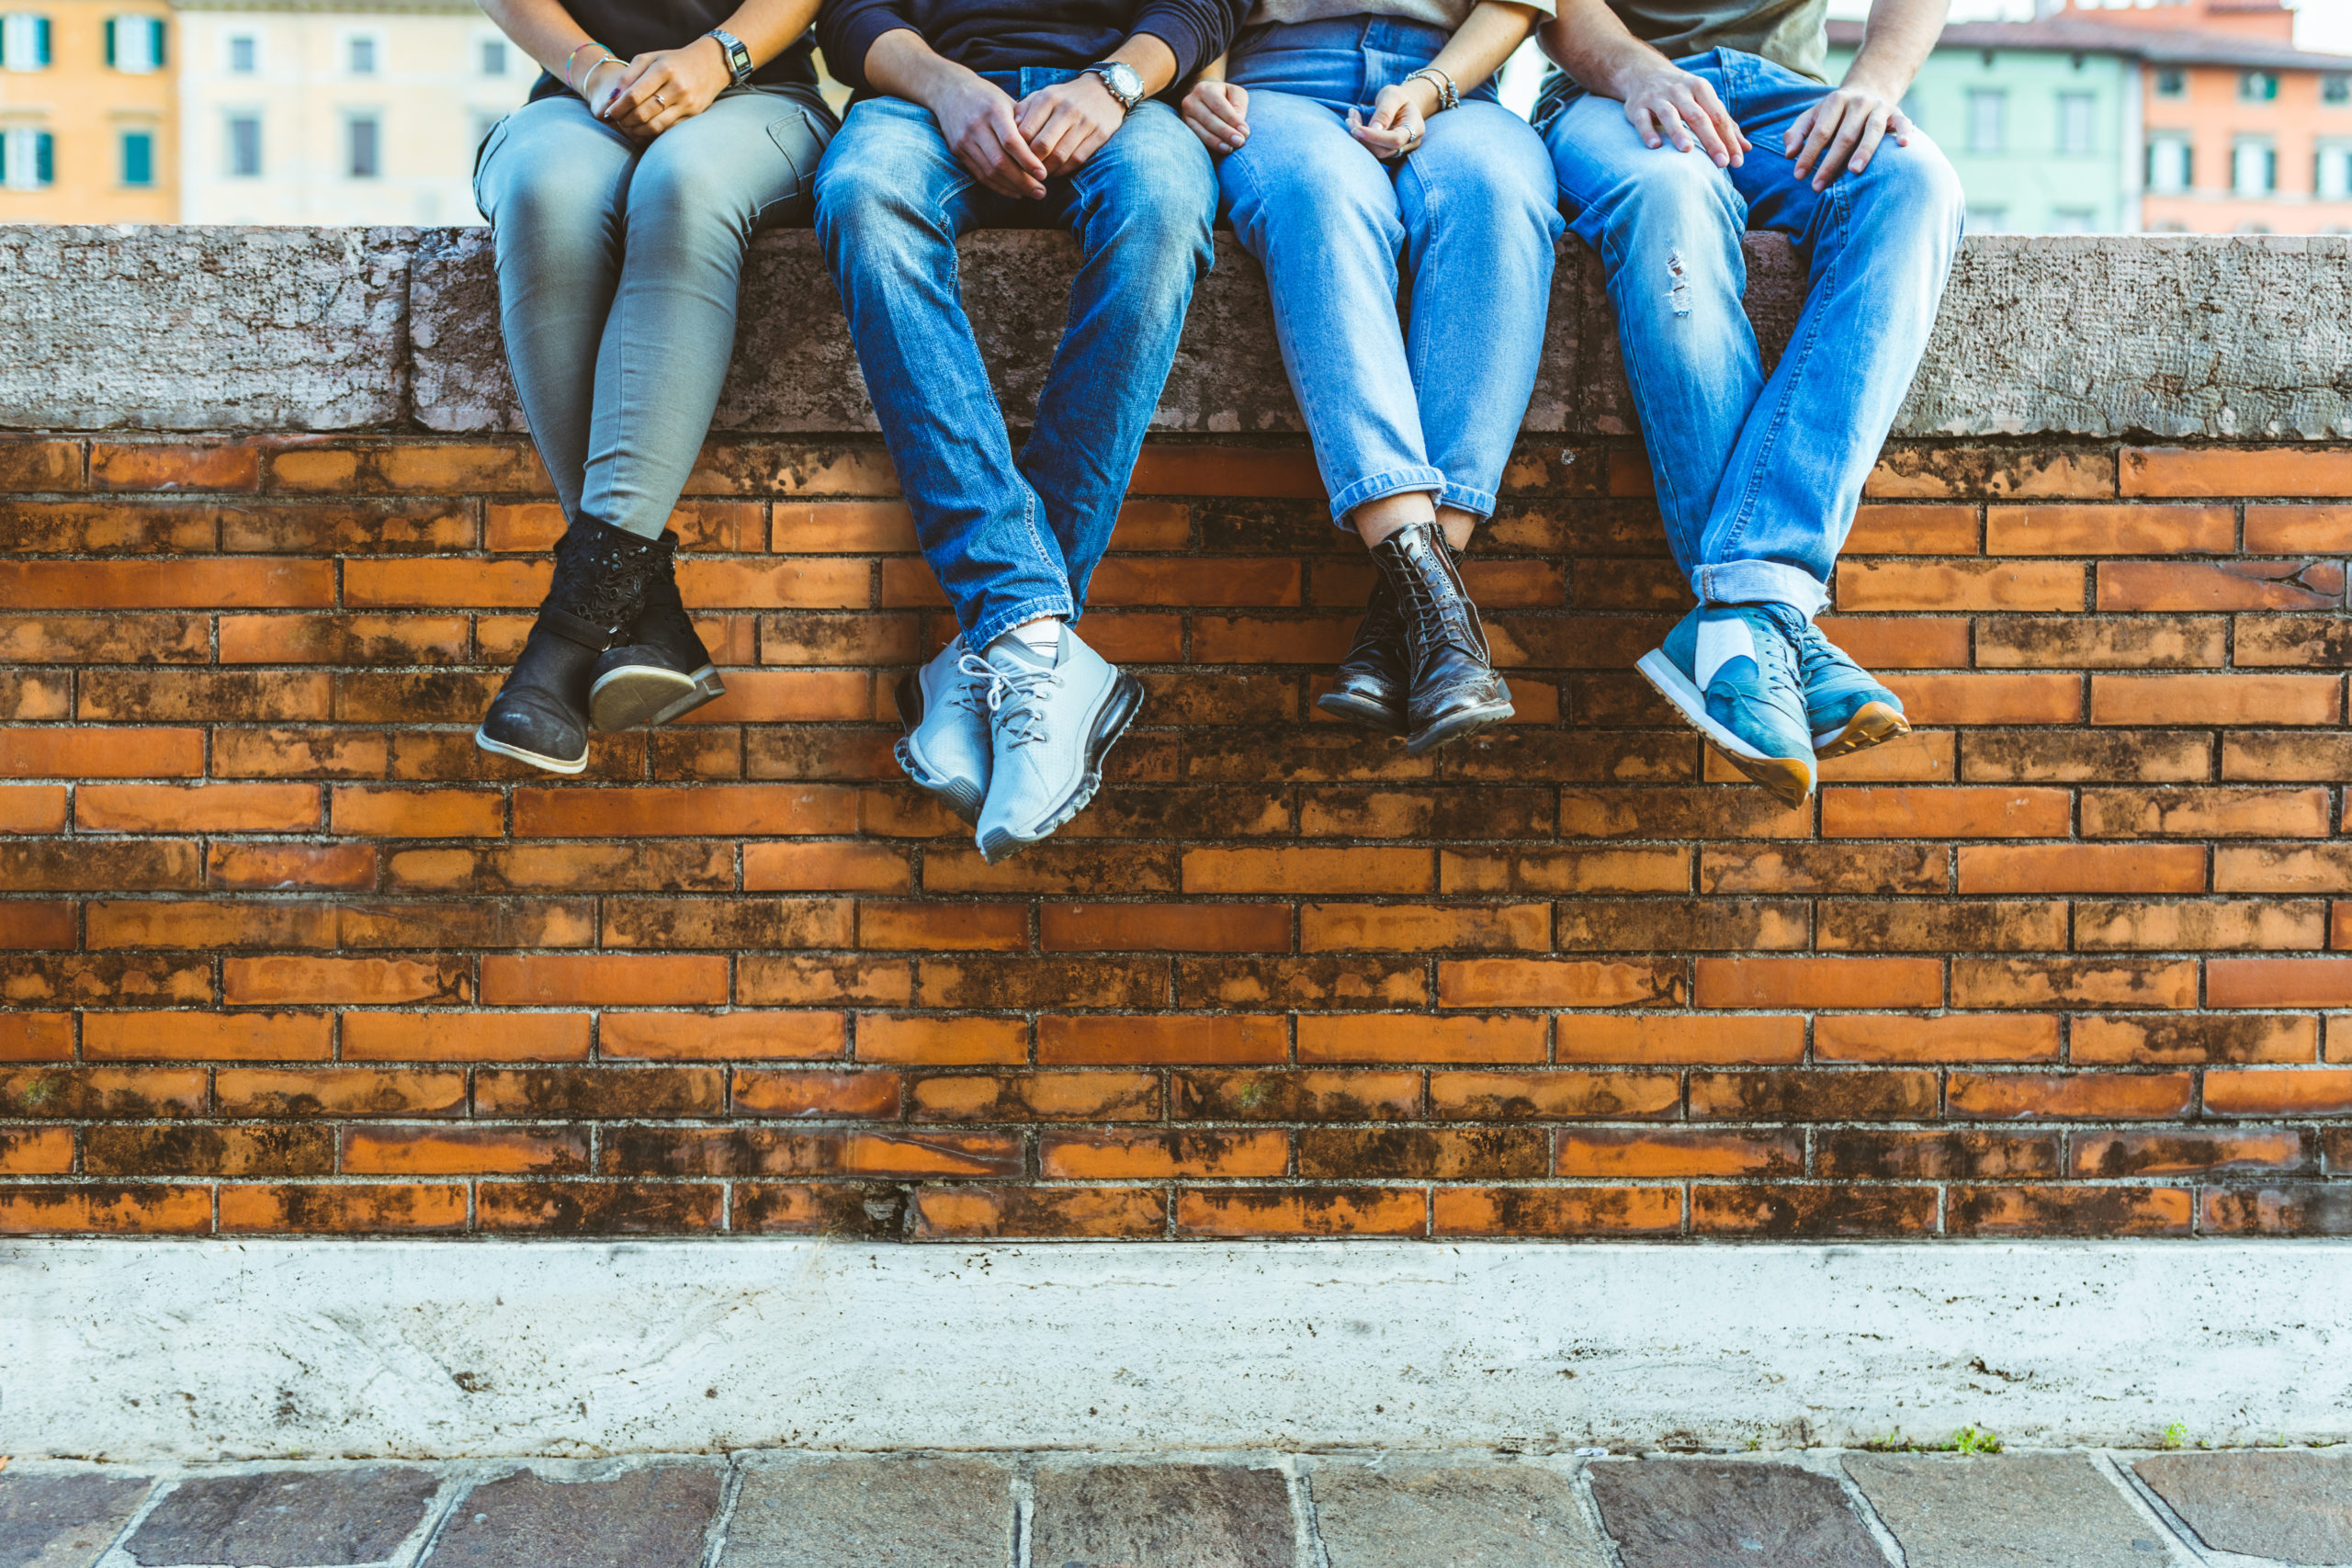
{"type": "Point", "coordinates": [618, 268]}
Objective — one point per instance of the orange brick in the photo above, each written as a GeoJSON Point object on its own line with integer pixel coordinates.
{"type": "Point", "coordinates": [832, 527]}
{"type": "Point", "coordinates": [464, 1151]}
{"type": "Point", "coordinates": [279, 867]}
{"type": "Point", "coordinates": [1885, 530]}
{"type": "Point", "coordinates": [1565, 871]}
{"type": "Point", "coordinates": [1978, 813]}
{"type": "Point", "coordinates": [239, 583]}
{"type": "Point", "coordinates": [1557, 983]}
{"type": "Point", "coordinates": [2082, 868]}
{"type": "Point", "coordinates": [419, 813]}
{"type": "Point", "coordinates": [1818, 982]}
{"type": "Point", "coordinates": [2235, 470]}
{"type": "Point", "coordinates": [943, 927]}
{"type": "Point", "coordinates": [826, 867]}
{"type": "Point", "coordinates": [2247, 700]}
{"type": "Point", "coordinates": [2219, 585]}
{"type": "Point", "coordinates": [1252, 471]}
{"type": "Point", "coordinates": [1341, 1211]}
{"type": "Point", "coordinates": [733, 1036]}
{"type": "Point", "coordinates": [1996, 471]}
{"type": "Point", "coordinates": [1544, 1095]}
{"type": "Point", "coordinates": [1354, 928]}
{"type": "Point", "coordinates": [1358, 868]}
{"type": "Point", "coordinates": [1555, 1211]}
{"type": "Point", "coordinates": [2069, 1210]}
{"type": "Point", "coordinates": [2278, 1091]}
{"type": "Point", "coordinates": [150, 1209]}
{"type": "Point", "coordinates": [941, 1042]}
{"type": "Point", "coordinates": [2205, 813]}
{"type": "Point", "coordinates": [1164, 1038]}
{"type": "Point", "coordinates": [1091, 1096]}
{"type": "Point", "coordinates": [2282, 868]}
{"type": "Point", "coordinates": [2073, 982]}
{"type": "Point", "coordinates": [2278, 982]}
{"type": "Point", "coordinates": [213, 922]}
{"type": "Point", "coordinates": [32, 808]}
{"type": "Point", "coordinates": [1876, 585]}
{"type": "Point", "coordinates": [37, 1151]}
{"type": "Point", "coordinates": [2298, 530]}
{"type": "Point", "coordinates": [814, 1094]}
{"type": "Point", "coordinates": [25, 925]}
{"type": "Point", "coordinates": [1164, 928]}
{"type": "Point", "coordinates": [36, 1037]}
{"type": "Point", "coordinates": [1612, 1037]}
{"type": "Point", "coordinates": [207, 1037]}
{"type": "Point", "coordinates": [2109, 530]}
{"type": "Point", "coordinates": [36, 465]}
{"type": "Point", "coordinates": [669, 813]}
{"type": "Point", "coordinates": [602, 980]}
{"type": "Point", "coordinates": [1846, 1094]}
{"type": "Point", "coordinates": [1989, 699]}
{"type": "Point", "coordinates": [110, 753]}
{"type": "Point", "coordinates": [378, 1206]}
{"type": "Point", "coordinates": [197, 808]}
{"type": "Point", "coordinates": [397, 584]}
{"type": "Point", "coordinates": [1900, 642]}
{"type": "Point", "coordinates": [461, 1037]}
{"type": "Point", "coordinates": [2195, 1039]}
{"type": "Point", "coordinates": [184, 465]}
{"type": "Point", "coordinates": [1158, 1156]}
{"type": "Point", "coordinates": [1418, 1037]}
{"type": "Point", "coordinates": [249, 982]}
{"type": "Point", "coordinates": [1669, 1153]}
{"type": "Point", "coordinates": [1952, 1037]}
{"type": "Point", "coordinates": [338, 1091]}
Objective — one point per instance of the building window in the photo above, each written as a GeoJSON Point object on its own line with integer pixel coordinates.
{"type": "Point", "coordinates": [2335, 89]}
{"type": "Point", "coordinates": [28, 159]}
{"type": "Point", "coordinates": [493, 57]}
{"type": "Point", "coordinates": [2172, 81]}
{"type": "Point", "coordinates": [245, 55]}
{"type": "Point", "coordinates": [135, 44]}
{"type": "Point", "coordinates": [1988, 120]}
{"type": "Point", "coordinates": [138, 159]}
{"type": "Point", "coordinates": [2169, 163]}
{"type": "Point", "coordinates": [2254, 166]}
{"type": "Point", "coordinates": [2257, 86]}
{"type": "Point", "coordinates": [245, 146]}
{"type": "Point", "coordinates": [2074, 122]}
{"type": "Point", "coordinates": [2073, 220]}
{"type": "Point", "coordinates": [362, 55]}
{"type": "Point", "coordinates": [364, 139]}
{"type": "Point", "coordinates": [2332, 177]}
{"type": "Point", "coordinates": [24, 42]}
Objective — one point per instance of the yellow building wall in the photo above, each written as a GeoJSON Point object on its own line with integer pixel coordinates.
{"type": "Point", "coordinates": [87, 105]}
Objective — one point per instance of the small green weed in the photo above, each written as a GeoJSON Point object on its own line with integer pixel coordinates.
{"type": "Point", "coordinates": [1975, 1440]}
{"type": "Point", "coordinates": [2176, 1435]}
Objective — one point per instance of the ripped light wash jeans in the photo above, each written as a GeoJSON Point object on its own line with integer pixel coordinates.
{"type": "Point", "coordinates": [1432, 401]}
{"type": "Point", "coordinates": [1758, 478]}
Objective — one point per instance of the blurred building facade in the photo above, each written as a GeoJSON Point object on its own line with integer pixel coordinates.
{"type": "Point", "coordinates": [2187, 117]}
{"type": "Point", "coordinates": [88, 128]}
{"type": "Point", "coordinates": [348, 112]}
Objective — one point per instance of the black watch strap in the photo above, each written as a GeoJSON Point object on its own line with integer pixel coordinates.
{"type": "Point", "coordinates": [1110, 72]}
{"type": "Point", "coordinates": [739, 59]}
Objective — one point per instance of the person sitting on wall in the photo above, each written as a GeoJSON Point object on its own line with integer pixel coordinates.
{"type": "Point", "coordinates": [1673, 126]}
{"type": "Point", "coordinates": [1352, 133]}
{"type": "Point", "coordinates": [621, 201]}
{"type": "Point", "coordinates": [1015, 113]}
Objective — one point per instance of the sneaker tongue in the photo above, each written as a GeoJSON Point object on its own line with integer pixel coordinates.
{"type": "Point", "coordinates": [1012, 648]}
{"type": "Point", "coordinates": [1721, 640]}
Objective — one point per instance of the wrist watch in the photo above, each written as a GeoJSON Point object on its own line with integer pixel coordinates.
{"type": "Point", "coordinates": [1125, 84]}
{"type": "Point", "coordinates": [739, 59]}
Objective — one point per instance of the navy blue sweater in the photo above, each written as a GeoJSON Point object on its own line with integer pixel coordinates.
{"type": "Point", "coordinates": [1005, 35]}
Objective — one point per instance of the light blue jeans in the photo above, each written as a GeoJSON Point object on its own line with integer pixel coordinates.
{"type": "Point", "coordinates": [1014, 538]}
{"type": "Point", "coordinates": [1432, 401]}
{"type": "Point", "coordinates": [1758, 478]}
{"type": "Point", "coordinates": [618, 270]}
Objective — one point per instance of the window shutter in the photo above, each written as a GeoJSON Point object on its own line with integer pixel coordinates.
{"type": "Point", "coordinates": [40, 40]}
{"type": "Point", "coordinates": [109, 40]}
{"type": "Point", "coordinates": [44, 159]}
{"type": "Point", "coordinates": [160, 36]}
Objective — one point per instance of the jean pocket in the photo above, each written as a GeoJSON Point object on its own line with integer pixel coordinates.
{"type": "Point", "coordinates": [801, 137]}
{"type": "Point", "coordinates": [491, 143]}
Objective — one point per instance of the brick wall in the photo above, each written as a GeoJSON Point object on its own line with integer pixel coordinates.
{"type": "Point", "coordinates": [284, 952]}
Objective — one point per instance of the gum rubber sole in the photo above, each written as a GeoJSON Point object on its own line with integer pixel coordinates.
{"type": "Point", "coordinates": [649, 694]}
{"type": "Point", "coordinates": [1787, 779]}
{"type": "Point", "coordinates": [552, 764]}
{"type": "Point", "coordinates": [1873, 724]}
{"type": "Point", "coordinates": [1372, 715]}
{"type": "Point", "coordinates": [963, 797]}
{"type": "Point", "coordinates": [1118, 712]}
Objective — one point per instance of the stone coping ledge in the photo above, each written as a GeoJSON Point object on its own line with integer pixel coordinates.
{"type": "Point", "coordinates": [2242, 338]}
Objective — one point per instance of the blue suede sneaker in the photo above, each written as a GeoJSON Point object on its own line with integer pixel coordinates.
{"type": "Point", "coordinates": [1052, 724]}
{"type": "Point", "coordinates": [945, 749]}
{"type": "Point", "coordinates": [1731, 671]}
{"type": "Point", "coordinates": [1846, 707]}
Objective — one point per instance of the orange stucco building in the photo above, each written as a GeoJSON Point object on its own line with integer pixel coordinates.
{"type": "Point", "coordinates": [89, 123]}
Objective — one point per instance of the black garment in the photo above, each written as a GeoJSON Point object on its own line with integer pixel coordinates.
{"type": "Point", "coordinates": [1006, 35]}
{"type": "Point", "coordinates": [631, 27]}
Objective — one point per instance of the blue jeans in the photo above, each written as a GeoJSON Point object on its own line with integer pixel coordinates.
{"type": "Point", "coordinates": [1014, 538]}
{"type": "Point", "coordinates": [1472, 215]}
{"type": "Point", "coordinates": [1758, 478]}
{"type": "Point", "coordinates": [618, 268]}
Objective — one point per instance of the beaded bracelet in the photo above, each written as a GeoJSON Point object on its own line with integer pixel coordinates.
{"type": "Point", "coordinates": [1447, 97]}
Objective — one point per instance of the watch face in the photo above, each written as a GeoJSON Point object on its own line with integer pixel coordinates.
{"type": "Point", "coordinates": [1125, 78]}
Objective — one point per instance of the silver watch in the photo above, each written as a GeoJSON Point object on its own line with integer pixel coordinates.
{"type": "Point", "coordinates": [1126, 83]}
{"type": "Point", "coordinates": [739, 59]}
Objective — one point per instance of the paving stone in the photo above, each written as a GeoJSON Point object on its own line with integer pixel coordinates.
{"type": "Point", "coordinates": [873, 1513]}
{"type": "Point", "coordinates": [1162, 1516]}
{"type": "Point", "coordinates": [653, 1518]}
{"type": "Point", "coordinates": [2023, 1511]}
{"type": "Point", "coordinates": [1485, 1516]}
{"type": "Point", "coordinates": [2293, 1506]}
{"type": "Point", "coordinates": [287, 1518]}
{"type": "Point", "coordinates": [63, 1521]}
{"type": "Point", "coordinates": [1702, 1514]}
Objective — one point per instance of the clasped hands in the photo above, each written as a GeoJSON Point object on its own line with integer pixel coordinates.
{"type": "Point", "coordinates": [646, 95]}
{"type": "Point", "coordinates": [1015, 147]}
{"type": "Point", "coordinates": [1218, 113]}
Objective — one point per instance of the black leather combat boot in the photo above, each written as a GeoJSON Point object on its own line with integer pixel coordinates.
{"type": "Point", "coordinates": [663, 671]}
{"type": "Point", "coordinates": [540, 715]}
{"type": "Point", "coordinates": [1453, 690]}
{"type": "Point", "coordinates": [1370, 686]}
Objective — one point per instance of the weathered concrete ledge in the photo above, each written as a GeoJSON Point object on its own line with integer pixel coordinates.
{"type": "Point", "coordinates": [147, 1350]}
{"type": "Point", "coordinates": [232, 330]}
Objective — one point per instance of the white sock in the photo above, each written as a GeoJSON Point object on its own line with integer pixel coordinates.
{"type": "Point", "coordinates": [1042, 637]}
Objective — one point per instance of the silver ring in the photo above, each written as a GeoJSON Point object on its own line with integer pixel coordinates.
{"type": "Point", "coordinates": [663, 101]}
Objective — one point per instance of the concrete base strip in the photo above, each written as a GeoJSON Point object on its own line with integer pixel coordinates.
{"type": "Point", "coordinates": [177, 1351]}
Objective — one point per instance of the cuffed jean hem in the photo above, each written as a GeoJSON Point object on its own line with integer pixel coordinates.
{"type": "Point", "coordinates": [1477, 503]}
{"type": "Point", "coordinates": [1003, 620]}
{"type": "Point", "coordinates": [1390, 483]}
{"type": "Point", "coordinates": [1761, 582]}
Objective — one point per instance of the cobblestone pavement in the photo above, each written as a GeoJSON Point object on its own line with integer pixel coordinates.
{"type": "Point", "coordinates": [780, 1509]}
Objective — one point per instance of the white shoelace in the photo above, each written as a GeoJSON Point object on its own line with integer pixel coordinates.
{"type": "Point", "coordinates": [1024, 721]}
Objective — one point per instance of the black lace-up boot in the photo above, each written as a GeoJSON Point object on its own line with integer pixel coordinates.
{"type": "Point", "coordinates": [663, 670]}
{"type": "Point", "coordinates": [540, 715]}
{"type": "Point", "coordinates": [1371, 681]}
{"type": "Point", "coordinates": [1453, 689]}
